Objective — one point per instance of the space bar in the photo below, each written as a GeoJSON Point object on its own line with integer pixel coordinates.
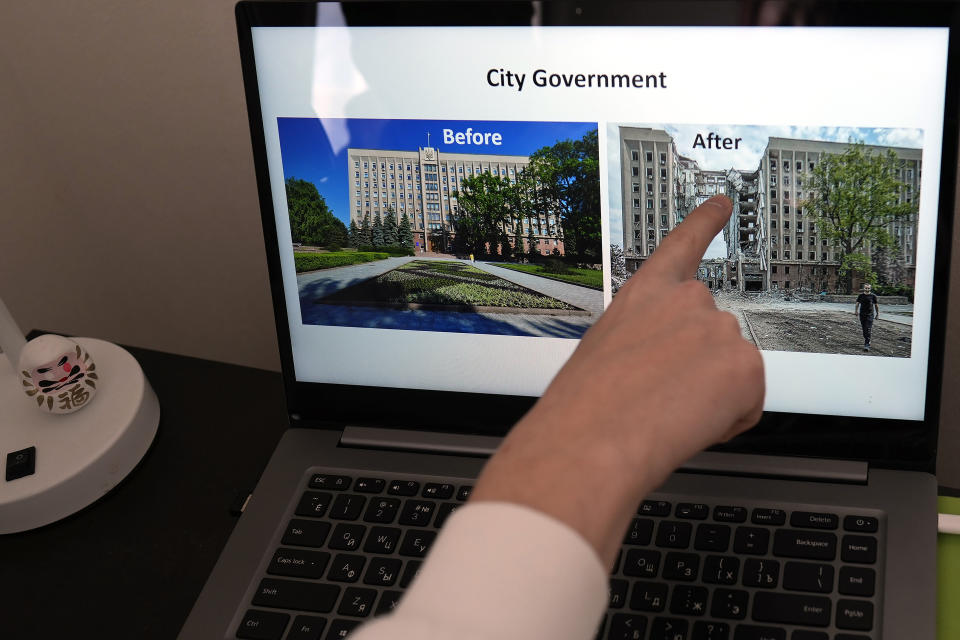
{"type": "Point", "coordinates": [791, 609]}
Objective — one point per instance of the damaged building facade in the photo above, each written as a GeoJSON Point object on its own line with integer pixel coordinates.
{"type": "Point", "coordinates": [772, 243]}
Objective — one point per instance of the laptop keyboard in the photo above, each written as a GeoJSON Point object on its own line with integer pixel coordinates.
{"type": "Point", "coordinates": [687, 570]}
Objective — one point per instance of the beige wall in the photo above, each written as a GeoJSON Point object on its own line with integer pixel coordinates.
{"type": "Point", "coordinates": [129, 207]}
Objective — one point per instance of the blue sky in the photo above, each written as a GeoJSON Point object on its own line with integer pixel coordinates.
{"type": "Point", "coordinates": [747, 157]}
{"type": "Point", "coordinates": [308, 154]}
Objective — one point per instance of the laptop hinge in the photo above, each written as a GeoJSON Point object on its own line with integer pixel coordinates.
{"type": "Point", "coordinates": [732, 464]}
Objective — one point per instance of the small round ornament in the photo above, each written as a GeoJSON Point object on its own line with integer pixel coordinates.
{"type": "Point", "coordinates": [58, 374]}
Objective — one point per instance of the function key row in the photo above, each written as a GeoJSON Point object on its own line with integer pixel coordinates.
{"type": "Point", "coordinates": [762, 516]}
{"type": "Point", "coordinates": [405, 488]}
{"type": "Point", "coordinates": [349, 506]}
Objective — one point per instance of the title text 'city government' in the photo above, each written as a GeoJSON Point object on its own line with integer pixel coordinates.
{"type": "Point", "coordinates": [542, 78]}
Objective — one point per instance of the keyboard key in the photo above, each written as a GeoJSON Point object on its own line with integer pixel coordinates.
{"type": "Point", "coordinates": [688, 601]}
{"type": "Point", "coordinates": [751, 632]}
{"type": "Point", "coordinates": [850, 636]}
{"type": "Point", "coordinates": [347, 506]}
{"type": "Point", "coordinates": [788, 608]}
{"type": "Point", "coordinates": [807, 576]}
{"type": "Point", "coordinates": [418, 513]}
{"type": "Point", "coordinates": [346, 568]}
{"type": "Point", "coordinates": [681, 566]}
{"type": "Point", "coordinates": [416, 543]}
{"type": "Point", "coordinates": [383, 572]}
{"type": "Point", "coordinates": [640, 532]}
{"type": "Point", "coordinates": [437, 491]}
{"type": "Point", "coordinates": [369, 485]}
{"type": "Point", "coordinates": [761, 573]}
{"type": "Point", "coordinates": [751, 540]}
{"type": "Point", "coordinates": [464, 492]}
{"type": "Point", "coordinates": [771, 517]}
{"type": "Point", "coordinates": [641, 563]}
{"type": "Point", "coordinates": [657, 508]}
{"type": "Point", "coordinates": [692, 511]}
{"type": "Point", "coordinates": [388, 602]}
{"type": "Point", "coordinates": [403, 488]}
{"type": "Point", "coordinates": [262, 625]}
{"type": "Point", "coordinates": [648, 596]}
{"type": "Point", "coordinates": [314, 504]}
{"type": "Point", "coordinates": [624, 626]}
{"type": "Point", "coordinates": [721, 570]}
{"type": "Point", "coordinates": [340, 628]}
{"type": "Point", "coordinates": [347, 537]}
{"type": "Point", "coordinates": [675, 535]}
{"type": "Point", "coordinates": [306, 628]}
{"type": "Point", "coordinates": [729, 514]}
{"type": "Point", "coordinates": [382, 540]}
{"type": "Point", "coordinates": [857, 581]}
{"type": "Point", "coordinates": [811, 520]}
{"type": "Point", "coordinates": [382, 510]}
{"type": "Point", "coordinates": [709, 630]}
{"type": "Point", "coordinates": [809, 545]}
{"type": "Point", "coordinates": [410, 572]}
{"type": "Point", "coordinates": [298, 563]}
{"type": "Point", "coordinates": [864, 524]}
{"type": "Point", "coordinates": [357, 602]}
{"type": "Point", "coordinates": [618, 593]}
{"type": "Point", "coordinates": [291, 594]}
{"type": "Point", "coordinates": [329, 482]}
{"type": "Point", "coordinates": [729, 604]}
{"type": "Point", "coordinates": [712, 537]}
{"type": "Point", "coordinates": [804, 634]}
{"type": "Point", "coordinates": [855, 615]}
{"type": "Point", "coordinates": [306, 533]}
{"type": "Point", "coordinates": [445, 511]}
{"type": "Point", "coordinates": [669, 629]}
{"type": "Point", "coordinates": [859, 549]}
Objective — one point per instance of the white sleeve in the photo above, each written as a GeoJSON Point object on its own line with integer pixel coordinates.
{"type": "Point", "coordinates": [500, 571]}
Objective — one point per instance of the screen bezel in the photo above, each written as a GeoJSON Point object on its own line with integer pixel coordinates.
{"type": "Point", "coordinates": [901, 444]}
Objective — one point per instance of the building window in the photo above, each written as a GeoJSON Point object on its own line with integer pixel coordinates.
{"type": "Point", "coordinates": [773, 269]}
{"type": "Point", "coordinates": [650, 173]}
{"type": "Point", "coordinates": [649, 218]}
{"type": "Point", "coordinates": [663, 203]}
{"type": "Point", "coordinates": [786, 224]}
{"type": "Point", "coordinates": [651, 235]}
{"type": "Point", "coordinates": [649, 156]}
{"type": "Point", "coordinates": [786, 270]}
{"type": "Point", "coordinates": [773, 194]}
{"type": "Point", "coordinates": [649, 187]}
{"type": "Point", "coordinates": [786, 240]}
{"type": "Point", "coordinates": [786, 165]}
{"type": "Point", "coordinates": [663, 187]}
{"type": "Point", "coordinates": [786, 255]}
{"type": "Point", "coordinates": [799, 166]}
{"type": "Point", "coordinates": [663, 220]}
{"type": "Point", "coordinates": [663, 158]}
{"type": "Point", "coordinates": [786, 195]}
{"type": "Point", "coordinates": [773, 209]}
{"type": "Point", "coordinates": [786, 284]}
{"type": "Point", "coordinates": [813, 256]}
{"type": "Point", "coordinates": [786, 209]}
{"type": "Point", "coordinates": [650, 248]}
{"type": "Point", "coordinates": [773, 255]}
{"type": "Point", "coordinates": [663, 174]}
{"type": "Point", "coordinates": [636, 171]}
{"type": "Point", "coordinates": [773, 224]}
{"type": "Point", "coordinates": [635, 156]}
{"type": "Point", "coordinates": [636, 187]}
{"type": "Point", "coordinates": [649, 203]}
{"type": "Point", "coordinates": [636, 203]}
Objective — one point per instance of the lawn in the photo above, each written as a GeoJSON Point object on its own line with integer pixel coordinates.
{"type": "Point", "coordinates": [450, 284]}
{"type": "Point", "coordinates": [592, 278]}
{"type": "Point", "coordinates": [314, 261]}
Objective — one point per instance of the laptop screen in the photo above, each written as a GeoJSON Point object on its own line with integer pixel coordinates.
{"type": "Point", "coordinates": [455, 206]}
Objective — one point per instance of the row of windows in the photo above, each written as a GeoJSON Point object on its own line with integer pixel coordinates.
{"type": "Point", "coordinates": [811, 164]}
{"type": "Point", "coordinates": [811, 255]}
{"type": "Point", "coordinates": [636, 172]}
{"type": "Point", "coordinates": [636, 203]}
{"type": "Point", "coordinates": [441, 168]}
{"type": "Point", "coordinates": [648, 156]}
{"type": "Point", "coordinates": [663, 219]}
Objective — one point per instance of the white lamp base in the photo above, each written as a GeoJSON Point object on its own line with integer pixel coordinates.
{"type": "Point", "coordinates": [80, 456]}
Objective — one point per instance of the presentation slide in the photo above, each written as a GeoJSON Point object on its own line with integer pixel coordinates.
{"type": "Point", "coordinates": [456, 206]}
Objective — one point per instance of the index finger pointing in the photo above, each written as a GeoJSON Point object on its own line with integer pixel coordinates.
{"type": "Point", "coordinates": [680, 253]}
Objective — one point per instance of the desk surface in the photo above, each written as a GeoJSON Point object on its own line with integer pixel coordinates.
{"type": "Point", "coordinates": [132, 564]}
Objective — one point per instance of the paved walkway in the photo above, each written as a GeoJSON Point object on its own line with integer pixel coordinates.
{"type": "Point", "coordinates": [319, 284]}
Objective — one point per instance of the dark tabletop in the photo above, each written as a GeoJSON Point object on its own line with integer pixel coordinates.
{"type": "Point", "coordinates": [131, 564]}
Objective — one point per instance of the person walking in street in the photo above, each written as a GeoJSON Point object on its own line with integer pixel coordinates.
{"type": "Point", "coordinates": [869, 311]}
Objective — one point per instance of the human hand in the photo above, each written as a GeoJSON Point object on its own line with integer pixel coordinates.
{"type": "Point", "coordinates": [660, 376]}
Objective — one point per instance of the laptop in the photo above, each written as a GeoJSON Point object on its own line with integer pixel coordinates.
{"type": "Point", "coordinates": [451, 195]}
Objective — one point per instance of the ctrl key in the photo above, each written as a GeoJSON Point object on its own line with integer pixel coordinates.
{"type": "Point", "coordinates": [262, 625]}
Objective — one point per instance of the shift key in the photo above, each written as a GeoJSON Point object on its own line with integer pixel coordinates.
{"type": "Point", "coordinates": [290, 594]}
{"type": "Point", "coordinates": [812, 545]}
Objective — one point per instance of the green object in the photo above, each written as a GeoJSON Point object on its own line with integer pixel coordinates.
{"type": "Point", "coordinates": [314, 261]}
{"type": "Point", "coordinates": [948, 578]}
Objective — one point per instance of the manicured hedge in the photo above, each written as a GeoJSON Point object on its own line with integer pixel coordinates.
{"type": "Point", "coordinates": [313, 261]}
{"type": "Point", "coordinates": [394, 250]}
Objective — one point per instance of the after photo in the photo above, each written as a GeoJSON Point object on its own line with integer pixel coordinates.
{"type": "Point", "coordinates": [820, 253]}
{"type": "Point", "coordinates": [445, 225]}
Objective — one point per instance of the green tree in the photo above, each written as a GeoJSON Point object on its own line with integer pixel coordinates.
{"type": "Point", "coordinates": [390, 228]}
{"type": "Point", "coordinates": [311, 221]}
{"type": "Point", "coordinates": [404, 233]}
{"type": "Point", "coordinates": [855, 196]}
{"type": "Point", "coordinates": [366, 236]}
{"type": "Point", "coordinates": [376, 232]}
{"type": "Point", "coordinates": [484, 207]}
{"type": "Point", "coordinates": [567, 176]}
{"type": "Point", "coordinates": [353, 235]}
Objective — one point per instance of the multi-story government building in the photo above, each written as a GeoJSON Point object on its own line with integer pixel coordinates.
{"type": "Point", "coordinates": [772, 243]}
{"type": "Point", "coordinates": [421, 184]}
